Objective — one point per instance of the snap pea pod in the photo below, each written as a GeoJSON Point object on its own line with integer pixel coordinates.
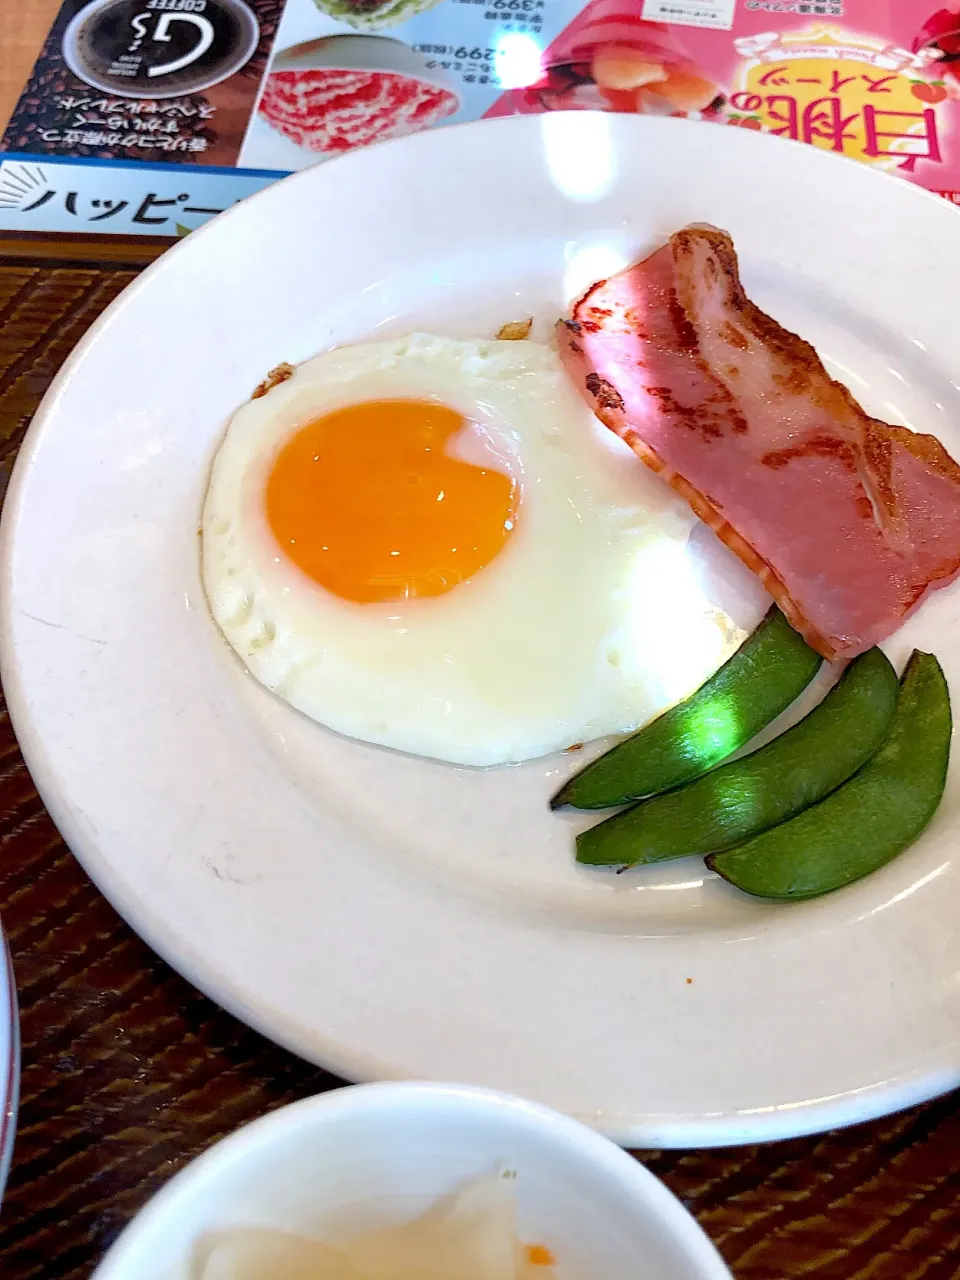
{"type": "Point", "coordinates": [868, 820]}
{"type": "Point", "coordinates": [769, 670]}
{"type": "Point", "coordinates": [745, 797]}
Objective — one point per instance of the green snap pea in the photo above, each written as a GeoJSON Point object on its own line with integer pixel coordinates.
{"type": "Point", "coordinates": [769, 670]}
{"type": "Point", "coordinates": [870, 819]}
{"type": "Point", "coordinates": [740, 799]}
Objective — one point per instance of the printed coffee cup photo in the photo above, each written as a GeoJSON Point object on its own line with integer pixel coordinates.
{"type": "Point", "coordinates": [128, 48]}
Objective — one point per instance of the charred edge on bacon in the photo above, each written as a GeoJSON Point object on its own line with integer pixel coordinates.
{"type": "Point", "coordinates": [605, 394]}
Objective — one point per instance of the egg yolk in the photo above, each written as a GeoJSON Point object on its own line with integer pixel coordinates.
{"type": "Point", "coordinates": [369, 502]}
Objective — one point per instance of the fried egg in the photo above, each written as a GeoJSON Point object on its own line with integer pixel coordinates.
{"type": "Point", "coordinates": [432, 545]}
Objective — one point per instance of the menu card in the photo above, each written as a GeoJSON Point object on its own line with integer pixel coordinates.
{"type": "Point", "coordinates": [146, 118]}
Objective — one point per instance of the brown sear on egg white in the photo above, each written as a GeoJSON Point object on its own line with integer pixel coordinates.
{"type": "Point", "coordinates": [273, 379]}
{"type": "Point", "coordinates": [515, 330]}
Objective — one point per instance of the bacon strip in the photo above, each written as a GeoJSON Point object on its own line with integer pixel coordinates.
{"type": "Point", "coordinates": [849, 522]}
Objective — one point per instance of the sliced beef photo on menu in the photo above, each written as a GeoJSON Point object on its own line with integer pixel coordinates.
{"type": "Point", "coordinates": [341, 92]}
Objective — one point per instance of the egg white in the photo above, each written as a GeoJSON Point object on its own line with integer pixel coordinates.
{"type": "Point", "coordinates": [581, 627]}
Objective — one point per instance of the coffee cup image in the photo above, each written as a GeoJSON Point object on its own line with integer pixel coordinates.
{"type": "Point", "coordinates": [130, 51]}
{"type": "Point", "coordinates": [339, 92]}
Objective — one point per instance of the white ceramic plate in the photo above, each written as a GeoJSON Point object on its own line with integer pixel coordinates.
{"type": "Point", "coordinates": [390, 917]}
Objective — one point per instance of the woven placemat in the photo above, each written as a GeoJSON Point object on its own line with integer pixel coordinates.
{"type": "Point", "coordinates": [128, 1072]}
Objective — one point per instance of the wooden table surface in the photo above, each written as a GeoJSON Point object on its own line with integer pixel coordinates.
{"type": "Point", "coordinates": [128, 1072]}
{"type": "Point", "coordinates": [23, 26]}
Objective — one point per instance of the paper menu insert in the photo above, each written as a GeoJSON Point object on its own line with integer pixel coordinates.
{"type": "Point", "coordinates": [147, 117]}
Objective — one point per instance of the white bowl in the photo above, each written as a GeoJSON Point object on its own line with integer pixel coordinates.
{"type": "Point", "coordinates": [360, 1157]}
